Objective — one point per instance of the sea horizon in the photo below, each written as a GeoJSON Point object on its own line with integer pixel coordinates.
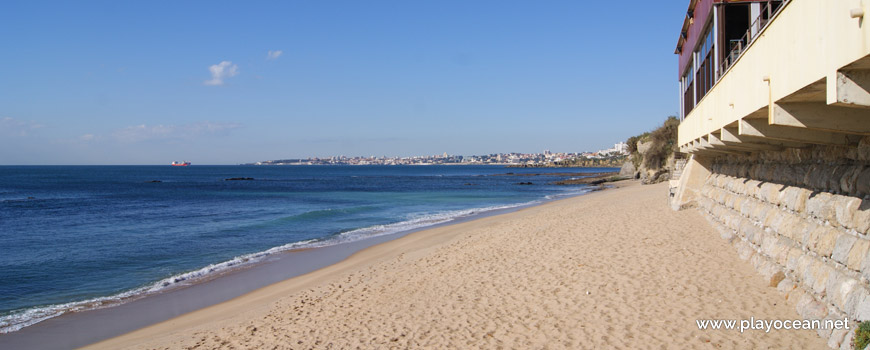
{"type": "Point", "coordinates": [125, 238]}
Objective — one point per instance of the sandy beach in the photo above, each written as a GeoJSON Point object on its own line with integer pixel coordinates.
{"type": "Point", "coordinates": [611, 269]}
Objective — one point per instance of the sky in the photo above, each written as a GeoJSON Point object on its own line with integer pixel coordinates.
{"type": "Point", "coordinates": [229, 82]}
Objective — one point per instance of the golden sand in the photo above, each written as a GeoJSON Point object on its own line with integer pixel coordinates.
{"type": "Point", "coordinates": [611, 269]}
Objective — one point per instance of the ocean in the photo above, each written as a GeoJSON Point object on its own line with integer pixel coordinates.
{"type": "Point", "coordinates": [82, 237]}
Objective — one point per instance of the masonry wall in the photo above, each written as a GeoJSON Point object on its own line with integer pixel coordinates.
{"type": "Point", "coordinates": [802, 218]}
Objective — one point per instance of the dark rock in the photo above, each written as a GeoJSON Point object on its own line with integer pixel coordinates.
{"type": "Point", "coordinates": [239, 179]}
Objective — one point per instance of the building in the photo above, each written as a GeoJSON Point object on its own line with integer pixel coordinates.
{"type": "Point", "coordinates": [618, 148]}
{"type": "Point", "coordinates": [775, 115]}
{"type": "Point", "coordinates": [754, 74]}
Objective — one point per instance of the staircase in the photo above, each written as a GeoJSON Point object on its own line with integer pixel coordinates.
{"type": "Point", "coordinates": [679, 164]}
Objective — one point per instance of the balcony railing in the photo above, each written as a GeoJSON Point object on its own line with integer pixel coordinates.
{"type": "Point", "coordinates": [737, 46]}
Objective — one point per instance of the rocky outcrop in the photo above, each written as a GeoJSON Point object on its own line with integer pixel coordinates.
{"type": "Point", "coordinates": [646, 173]}
{"type": "Point", "coordinates": [628, 169]}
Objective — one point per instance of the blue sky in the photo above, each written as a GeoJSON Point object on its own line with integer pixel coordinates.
{"type": "Point", "coordinates": [150, 82]}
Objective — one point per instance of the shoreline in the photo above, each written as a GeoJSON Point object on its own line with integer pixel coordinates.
{"type": "Point", "coordinates": [604, 270]}
{"type": "Point", "coordinates": [84, 327]}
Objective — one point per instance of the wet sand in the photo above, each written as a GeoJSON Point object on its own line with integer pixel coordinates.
{"type": "Point", "coordinates": [611, 269]}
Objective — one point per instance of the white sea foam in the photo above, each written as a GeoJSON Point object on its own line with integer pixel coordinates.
{"type": "Point", "coordinates": [27, 317]}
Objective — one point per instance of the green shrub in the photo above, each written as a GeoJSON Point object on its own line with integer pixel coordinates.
{"type": "Point", "coordinates": [862, 336]}
{"type": "Point", "coordinates": [664, 140]}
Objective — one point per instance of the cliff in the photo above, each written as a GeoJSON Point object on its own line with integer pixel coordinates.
{"type": "Point", "coordinates": [653, 155]}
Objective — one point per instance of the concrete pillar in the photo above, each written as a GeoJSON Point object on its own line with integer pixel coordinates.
{"type": "Point", "coordinates": [686, 191]}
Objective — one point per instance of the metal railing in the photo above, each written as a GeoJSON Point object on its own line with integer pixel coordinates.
{"type": "Point", "coordinates": [737, 46]}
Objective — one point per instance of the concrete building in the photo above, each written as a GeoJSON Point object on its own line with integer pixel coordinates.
{"type": "Point", "coordinates": [760, 74]}
{"type": "Point", "coordinates": [775, 115]}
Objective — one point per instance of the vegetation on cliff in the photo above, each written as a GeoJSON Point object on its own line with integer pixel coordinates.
{"type": "Point", "coordinates": [651, 154]}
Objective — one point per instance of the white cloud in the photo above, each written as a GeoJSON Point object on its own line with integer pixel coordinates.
{"type": "Point", "coordinates": [87, 137]}
{"type": "Point", "coordinates": [221, 71]}
{"type": "Point", "coordinates": [274, 54]}
{"type": "Point", "coordinates": [12, 126]}
{"type": "Point", "coordinates": [144, 132]}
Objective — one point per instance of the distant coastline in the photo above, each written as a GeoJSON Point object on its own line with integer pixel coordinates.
{"type": "Point", "coordinates": [612, 158]}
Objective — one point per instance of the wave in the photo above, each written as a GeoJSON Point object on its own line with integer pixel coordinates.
{"type": "Point", "coordinates": [19, 319]}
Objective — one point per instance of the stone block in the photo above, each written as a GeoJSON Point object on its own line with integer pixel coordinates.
{"type": "Point", "coordinates": [811, 171]}
{"type": "Point", "coordinates": [836, 338]}
{"type": "Point", "coordinates": [819, 205]}
{"type": "Point", "coordinates": [820, 275]}
{"type": "Point", "coordinates": [752, 233]}
{"type": "Point", "coordinates": [857, 254]}
{"type": "Point", "coordinates": [776, 278]}
{"type": "Point", "coordinates": [846, 344]}
{"type": "Point", "coordinates": [794, 198]}
{"type": "Point", "coordinates": [738, 202]}
{"type": "Point", "coordinates": [770, 192]}
{"type": "Point", "coordinates": [840, 289]}
{"type": "Point", "coordinates": [744, 250]}
{"type": "Point", "coordinates": [786, 286]}
{"type": "Point", "coordinates": [844, 210]}
{"type": "Point", "coordinates": [862, 311]}
{"type": "Point", "coordinates": [730, 198]}
{"type": "Point", "coordinates": [725, 233]}
{"type": "Point", "coordinates": [780, 252]}
{"type": "Point", "coordinates": [834, 279]}
{"type": "Point", "coordinates": [854, 299]}
{"type": "Point", "coordinates": [865, 266]}
{"type": "Point", "coordinates": [724, 182]}
{"type": "Point", "coordinates": [815, 310]}
{"type": "Point", "coordinates": [792, 261]}
{"type": "Point", "coordinates": [720, 196]}
{"type": "Point", "coordinates": [747, 207]}
{"type": "Point", "coordinates": [772, 215]}
{"type": "Point", "coordinates": [861, 217]}
{"type": "Point", "coordinates": [791, 226]}
{"type": "Point", "coordinates": [843, 247]}
{"type": "Point", "coordinates": [848, 181]}
{"type": "Point", "coordinates": [824, 246]}
{"type": "Point", "coordinates": [761, 212]}
{"type": "Point", "coordinates": [813, 234]}
{"type": "Point", "coordinates": [768, 245]}
{"type": "Point", "coordinates": [798, 227]}
{"type": "Point", "coordinates": [716, 210]}
{"type": "Point", "coordinates": [803, 305]}
{"type": "Point", "coordinates": [751, 188]}
{"type": "Point", "coordinates": [833, 178]}
{"type": "Point", "coordinates": [740, 187]}
{"type": "Point", "coordinates": [862, 182]}
{"type": "Point", "coordinates": [777, 223]}
{"type": "Point", "coordinates": [826, 333]}
{"type": "Point", "coordinates": [795, 295]}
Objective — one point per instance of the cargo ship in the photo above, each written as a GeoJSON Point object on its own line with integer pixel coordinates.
{"type": "Point", "coordinates": [184, 163]}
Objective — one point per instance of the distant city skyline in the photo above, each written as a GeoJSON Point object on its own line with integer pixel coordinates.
{"type": "Point", "coordinates": [98, 82]}
{"type": "Point", "coordinates": [618, 149]}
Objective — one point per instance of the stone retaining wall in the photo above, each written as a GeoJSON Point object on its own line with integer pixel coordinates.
{"type": "Point", "coordinates": [802, 218]}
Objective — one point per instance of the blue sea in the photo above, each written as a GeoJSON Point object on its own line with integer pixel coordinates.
{"type": "Point", "coordinates": [81, 237]}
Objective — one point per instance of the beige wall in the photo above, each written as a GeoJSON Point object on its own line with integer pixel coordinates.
{"type": "Point", "coordinates": [809, 40]}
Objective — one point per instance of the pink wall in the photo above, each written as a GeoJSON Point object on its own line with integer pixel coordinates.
{"type": "Point", "coordinates": [703, 11]}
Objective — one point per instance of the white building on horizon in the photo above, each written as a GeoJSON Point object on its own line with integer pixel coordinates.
{"type": "Point", "coordinates": [619, 148]}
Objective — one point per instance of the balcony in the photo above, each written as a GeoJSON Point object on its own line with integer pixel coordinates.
{"type": "Point", "coordinates": [799, 76]}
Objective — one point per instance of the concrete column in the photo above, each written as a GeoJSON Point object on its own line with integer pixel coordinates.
{"type": "Point", "coordinates": [686, 191]}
